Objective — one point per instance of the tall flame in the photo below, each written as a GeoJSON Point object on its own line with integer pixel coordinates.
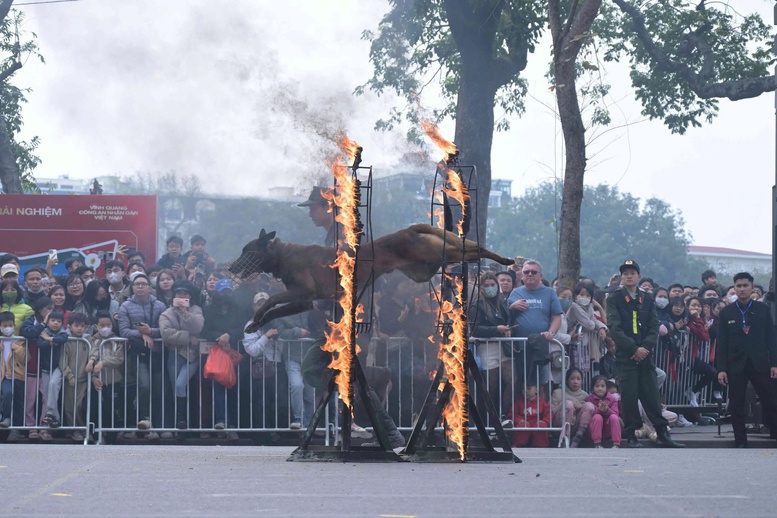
{"type": "Point", "coordinates": [433, 133]}
{"type": "Point", "coordinates": [339, 341]}
{"type": "Point", "coordinates": [455, 188]}
{"type": "Point", "coordinates": [453, 355]}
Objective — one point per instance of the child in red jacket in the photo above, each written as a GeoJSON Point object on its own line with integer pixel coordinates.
{"type": "Point", "coordinates": [606, 419]}
{"type": "Point", "coordinates": [532, 412]}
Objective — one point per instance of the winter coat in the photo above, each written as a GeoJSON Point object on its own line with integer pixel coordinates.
{"type": "Point", "coordinates": [21, 312]}
{"type": "Point", "coordinates": [177, 327]}
{"type": "Point", "coordinates": [133, 311]}
{"type": "Point", "coordinates": [585, 317]}
{"type": "Point", "coordinates": [612, 403]}
{"type": "Point", "coordinates": [16, 360]}
{"type": "Point", "coordinates": [74, 357]}
{"type": "Point", "coordinates": [223, 316]}
{"type": "Point", "coordinates": [111, 353]}
{"type": "Point", "coordinates": [528, 415]}
{"type": "Point", "coordinates": [488, 314]}
{"type": "Point", "coordinates": [46, 357]}
{"type": "Point", "coordinates": [575, 397]}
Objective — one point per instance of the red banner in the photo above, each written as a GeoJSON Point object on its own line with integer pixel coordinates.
{"type": "Point", "coordinates": [89, 227]}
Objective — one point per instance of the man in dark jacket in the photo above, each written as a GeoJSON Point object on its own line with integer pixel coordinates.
{"type": "Point", "coordinates": [747, 351]}
{"type": "Point", "coordinates": [633, 324]}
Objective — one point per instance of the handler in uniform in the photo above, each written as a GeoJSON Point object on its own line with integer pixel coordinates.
{"type": "Point", "coordinates": [747, 351]}
{"type": "Point", "coordinates": [631, 317]}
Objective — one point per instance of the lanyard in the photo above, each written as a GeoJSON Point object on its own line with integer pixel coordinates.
{"type": "Point", "coordinates": [745, 326]}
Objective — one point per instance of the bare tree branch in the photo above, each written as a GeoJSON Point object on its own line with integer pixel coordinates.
{"type": "Point", "coordinates": [733, 90]}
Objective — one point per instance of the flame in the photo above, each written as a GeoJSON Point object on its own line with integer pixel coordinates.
{"type": "Point", "coordinates": [433, 133]}
{"type": "Point", "coordinates": [339, 341]}
{"type": "Point", "coordinates": [455, 188]}
{"type": "Point", "coordinates": [453, 354]}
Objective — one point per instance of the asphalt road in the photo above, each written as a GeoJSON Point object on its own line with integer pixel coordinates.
{"type": "Point", "coordinates": [56, 480]}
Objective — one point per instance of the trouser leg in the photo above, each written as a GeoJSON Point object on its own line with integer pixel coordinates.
{"type": "Point", "coordinates": [597, 423]}
{"type": "Point", "coordinates": [737, 386]}
{"type": "Point", "coordinates": [650, 397]}
{"type": "Point", "coordinates": [54, 388]}
{"type": "Point", "coordinates": [629, 387]}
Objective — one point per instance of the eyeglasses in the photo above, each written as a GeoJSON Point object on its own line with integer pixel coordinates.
{"type": "Point", "coordinates": [531, 272]}
{"type": "Point", "coordinates": [140, 284]}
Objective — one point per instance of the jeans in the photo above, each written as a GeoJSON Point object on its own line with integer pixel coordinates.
{"type": "Point", "coordinates": [12, 401]}
{"type": "Point", "coordinates": [180, 372]}
{"type": "Point", "coordinates": [224, 404]}
{"type": "Point", "coordinates": [150, 382]}
{"type": "Point", "coordinates": [52, 399]}
{"type": "Point", "coordinates": [301, 395]}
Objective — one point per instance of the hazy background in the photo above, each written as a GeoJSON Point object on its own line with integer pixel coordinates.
{"type": "Point", "coordinates": [242, 93]}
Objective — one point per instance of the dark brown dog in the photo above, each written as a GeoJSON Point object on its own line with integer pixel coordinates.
{"type": "Point", "coordinates": [308, 275]}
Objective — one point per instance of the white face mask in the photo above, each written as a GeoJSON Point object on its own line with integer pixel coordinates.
{"type": "Point", "coordinates": [114, 278]}
{"type": "Point", "coordinates": [732, 298]}
{"type": "Point", "coordinates": [35, 291]}
{"type": "Point", "coordinates": [661, 302]}
{"type": "Point", "coordinates": [105, 331]}
{"type": "Point", "coordinates": [7, 331]}
{"type": "Point", "coordinates": [583, 301]}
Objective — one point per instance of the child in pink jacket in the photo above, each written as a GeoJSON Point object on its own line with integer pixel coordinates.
{"type": "Point", "coordinates": [606, 419]}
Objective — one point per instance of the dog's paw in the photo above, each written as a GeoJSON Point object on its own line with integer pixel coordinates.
{"type": "Point", "coordinates": [253, 327]}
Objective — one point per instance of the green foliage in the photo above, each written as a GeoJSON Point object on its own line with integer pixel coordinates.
{"type": "Point", "coordinates": [711, 41]}
{"type": "Point", "coordinates": [414, 49]}
{"type": "Point", "coordinates": [614, 226]}
{"type": "Point", "coordinates": [12, 97]}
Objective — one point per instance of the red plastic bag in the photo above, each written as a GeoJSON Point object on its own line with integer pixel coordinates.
{"type": "Point", "coordinates": [220, 367]}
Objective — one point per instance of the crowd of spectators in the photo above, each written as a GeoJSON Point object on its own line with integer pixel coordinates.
{"type": "Point", "coordinates": [167, 310]}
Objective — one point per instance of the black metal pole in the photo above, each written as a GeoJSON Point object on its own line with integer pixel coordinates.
{"type": "Point", "coordinates": [774, 196]}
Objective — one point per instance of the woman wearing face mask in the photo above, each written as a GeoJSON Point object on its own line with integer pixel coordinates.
{"type": "Point", "coordinates": [491, 319]}
{"type": "Point", "coordinates": [98, 299]}
{"type": "Point", "coordinates": [12, 301]}
{"type": "Point", "coordinates": [699, 333]}
{"type": "Point", "coordinates": [591, 330]}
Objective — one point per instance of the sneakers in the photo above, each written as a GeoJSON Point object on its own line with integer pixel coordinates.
{"type": "Point", "coordinates": [166, 435]}
{"type": "Point", "coordinates": [682, 421]}
{"type": "Point", "coordinates": [653, 436]}
{"type": "Point", "coordinates": [145, 424]}
{"type": "Point", "coordinates": [716, 395]}
{"type": "Point", "coordinates": [152, 436]}
{"type": "Point", "coordinates": [5, 423]}
{"type": "Point", "coordinates": [219, 426]}
{"type": "Point", "coordinates": [296, 425]}
{"type": "Point", "coordinates": [692, 398]}
{"type": "Point", "coordinates": [77, 436]}
{"type": "Point", "coordinates": [13, 436]}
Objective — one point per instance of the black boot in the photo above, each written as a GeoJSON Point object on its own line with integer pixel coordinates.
{"type": "Point", "coordinates": [633, 442]}
{"type": "Point", "coordinates": [665, 440]}
{"type": "Point", "coordinates": [181, 403]}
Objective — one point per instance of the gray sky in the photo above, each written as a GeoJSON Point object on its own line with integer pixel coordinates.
{"type": "Point", "coordinates": [235, 91]}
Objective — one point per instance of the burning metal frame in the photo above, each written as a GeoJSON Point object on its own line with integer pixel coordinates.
{"type": "Point", "coordinates": [350, 196]}
{"type": "Point", "coordinates": [448, 398]}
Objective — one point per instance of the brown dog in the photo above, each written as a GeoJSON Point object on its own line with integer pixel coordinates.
{"type": "Point", "coordinates": [306, 271]}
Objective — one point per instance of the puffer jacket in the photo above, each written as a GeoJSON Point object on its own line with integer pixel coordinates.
{"type": "Point", "coordinates": [177, 327]}
{"type": "Point", "coordinates": [133, 311]}
{"type": "Point", "coordinates": [21, 312]}
{"type": "Point", "coordinates": [16, 360]}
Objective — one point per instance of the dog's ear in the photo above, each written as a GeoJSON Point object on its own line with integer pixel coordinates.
{"type": "Point", "coordinates": [270, 236]}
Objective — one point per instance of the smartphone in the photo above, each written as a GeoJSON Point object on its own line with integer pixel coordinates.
{"type": "Point", "coordinates": [52, 253]}
{"type": "Point", "coordinates": [141, 324]}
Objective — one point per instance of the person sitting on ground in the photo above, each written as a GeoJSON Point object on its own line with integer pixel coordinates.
{"type": "Point", "coordinates": [12, 374]}
{"type": "Point", "coordinates": [73, 364]}
{"type": "Point", "coordinates": [180, 326]}
{"type": "Point", "coordinates": [606, 419]}
{"type": "Point", "coordinates": [530, 411]}
{"type": "Point", "coordinates": [578, 411]}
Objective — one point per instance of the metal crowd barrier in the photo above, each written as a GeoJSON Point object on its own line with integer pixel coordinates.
{"type": "Point", "coordinates": [30, 396]}
{"type": "Point", "coordinates": [412, 367]}
{"type": "Point", "coordinates": [677, 362]}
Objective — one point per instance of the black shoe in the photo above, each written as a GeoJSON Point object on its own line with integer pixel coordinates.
{"type": "Point", "coordinates": [633, 442]}
{"type": "Point", "coordinates": [665, 440]}
{"type": "Point", "coordinates": [740, 445]}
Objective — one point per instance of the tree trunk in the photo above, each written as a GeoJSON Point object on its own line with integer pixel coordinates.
{"type": "Point", "coordinates": [567, 41]}
{"type": "Point", "coordinates": [9, 169]}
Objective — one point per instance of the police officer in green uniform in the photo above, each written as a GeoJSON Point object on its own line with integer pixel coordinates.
{"type": "Point", "coordinates": [633, 324]}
